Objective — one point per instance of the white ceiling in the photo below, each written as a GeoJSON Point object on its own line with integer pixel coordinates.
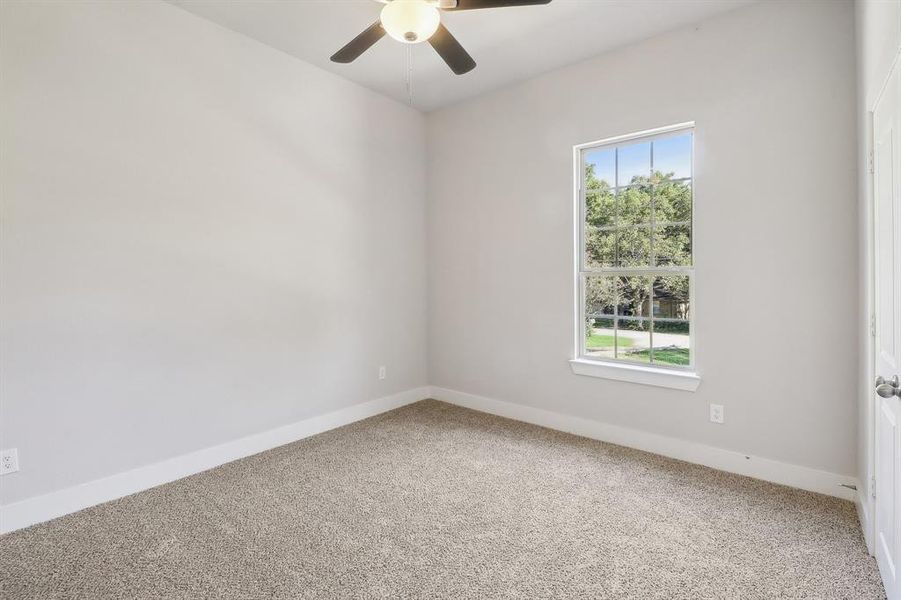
{"type": "Point", "coordinates": [509, 44]}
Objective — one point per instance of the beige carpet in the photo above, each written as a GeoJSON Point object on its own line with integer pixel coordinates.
{"type": "Point", "coordinates": [434, 501]}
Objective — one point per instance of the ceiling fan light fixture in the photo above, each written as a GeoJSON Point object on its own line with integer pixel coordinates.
{"type": "Point", "coordinates": [410, 21]}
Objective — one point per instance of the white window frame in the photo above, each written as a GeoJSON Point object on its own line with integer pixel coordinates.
{"type": "Point", "coordinates": [670, 376]}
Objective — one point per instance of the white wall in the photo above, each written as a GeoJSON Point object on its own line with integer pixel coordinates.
{"type": "Point", "coordinates": [878, 36]}
{"type": "Point", "coordinates": [202, 238]}
{"type": "Point", "coordinates": [771, 88]}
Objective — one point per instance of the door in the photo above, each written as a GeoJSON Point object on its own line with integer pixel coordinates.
{"type": "Point", "coordinates": [887, 263]}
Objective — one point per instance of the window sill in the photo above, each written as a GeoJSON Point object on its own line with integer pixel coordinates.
{"type": "Point", "coordinates": [677, 380]}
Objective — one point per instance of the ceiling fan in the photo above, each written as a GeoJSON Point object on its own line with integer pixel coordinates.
{"type": "Point", "coordinates": [415, 21]}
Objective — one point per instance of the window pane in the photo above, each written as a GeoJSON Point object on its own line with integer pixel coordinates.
{"type": "Point", "coordinates": [672, 245]}
{"type": "Point", "coordinates": [672, 201]}
{"type": "Point", "coordinates": [601, 296]}
{"type": "Point", "coordinates": [600, 169]}
{"type": "Point", "coordinates": [600, 339]}
{"type": "Point", "coordinates": [633, 247]}
{"type": "Point", "coordinates": [600, 207]}
{"type": "Point", "coordinates": [600, 248]}
{"type": "Point", "coordinates": [633, 295]}
{"type": "Point", "coordinates": [633, 325]}
{"type": "Point", "coordinates": [634, 205]}
{"type": "Point", "coordinates": [633, 339]}
{"type": "Point", "coordinates": [672, 156]}
{"type": "Point", "coordinates": [633, 163]}
{"type": "Point", "coordinates": [637, 219]}
{"type": "Point", "coordinates": [671, 320]}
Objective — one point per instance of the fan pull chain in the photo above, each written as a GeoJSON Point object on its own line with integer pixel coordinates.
{"type": "Point", "coordinates": [408, 72]}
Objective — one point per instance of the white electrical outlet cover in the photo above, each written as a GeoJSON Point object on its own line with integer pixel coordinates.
{"type": "Point", "coordinates": [9, 461]}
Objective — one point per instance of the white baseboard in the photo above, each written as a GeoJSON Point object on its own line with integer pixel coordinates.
{"type": "Point", "coordinates": [56, 504]}
{"type": "Point", "coordinates": [774, 471]}
{"type": "Point", "coordinates": [864, 510]}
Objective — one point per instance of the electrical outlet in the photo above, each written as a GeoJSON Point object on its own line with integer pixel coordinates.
{"type": "Point", "coordinates": [383, 372]}
{"type": "Point", "coordinates": [717, 413]}
{"type": "Point", "coordinates": [9, 461]}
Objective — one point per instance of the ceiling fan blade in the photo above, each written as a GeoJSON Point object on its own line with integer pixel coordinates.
{"type": "Point", "coordinates": [451, 51]}
{"type": "Point", "coordinates": [359, 44]}
{"type": "Point", "coordinates": [476, 4]}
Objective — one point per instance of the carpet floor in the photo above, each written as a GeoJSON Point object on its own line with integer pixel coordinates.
{"type": "Point", "coordinates": [436, 501]}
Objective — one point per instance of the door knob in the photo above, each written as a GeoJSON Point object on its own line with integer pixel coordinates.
{"type": "Point", "coordinates": [887, 389]}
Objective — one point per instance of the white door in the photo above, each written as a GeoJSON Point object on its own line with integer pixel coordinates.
{"type": "Point", "coordinates": [887, 215]}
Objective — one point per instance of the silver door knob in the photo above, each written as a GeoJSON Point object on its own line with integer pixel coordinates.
{"type": "Point", "coordinates": [887, 389]}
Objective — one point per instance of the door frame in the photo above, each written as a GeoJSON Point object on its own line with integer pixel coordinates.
{"type": "Point", "coordinates": [865, 504]}
{"type": "Point", "coordinates": [866, 489]}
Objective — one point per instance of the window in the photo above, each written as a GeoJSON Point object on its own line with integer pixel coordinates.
{"type": "Point", "coordinates": [635, 268]}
